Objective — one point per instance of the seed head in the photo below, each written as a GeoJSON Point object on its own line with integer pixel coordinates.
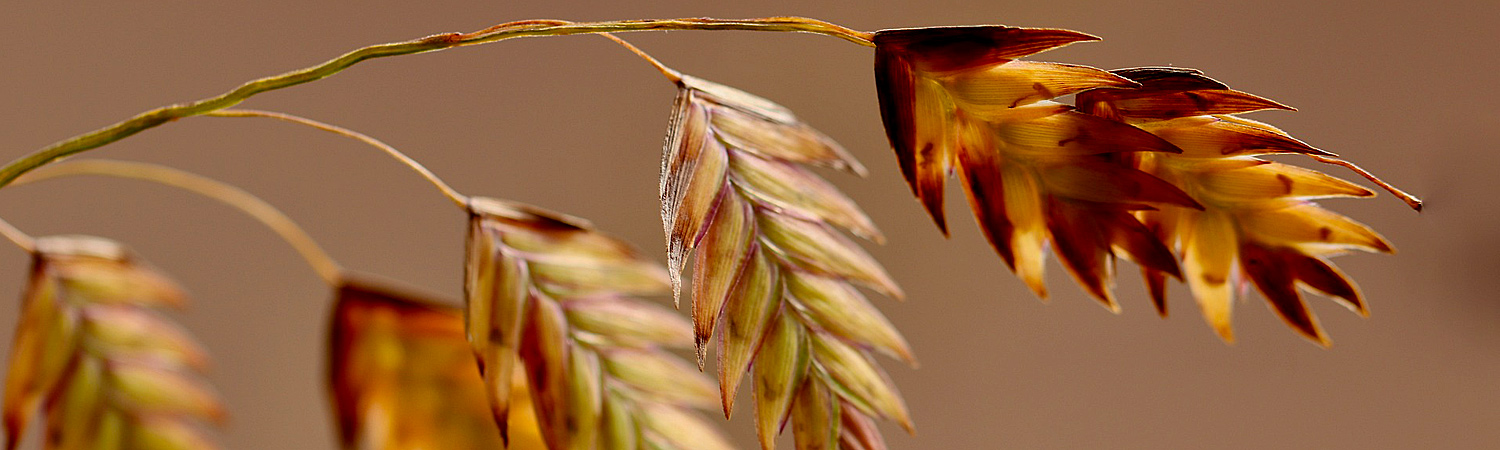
{"type": "Point", "coordinates": [773, 274]}
{"type": "Point", "coordinates": [93, 351]}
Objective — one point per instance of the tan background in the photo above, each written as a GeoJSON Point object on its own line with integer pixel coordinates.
{"type": "Point", "coordinates": [574, 123]}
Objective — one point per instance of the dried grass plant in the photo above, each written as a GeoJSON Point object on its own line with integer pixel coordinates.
{"type": "Point", "coordinates": [557, 346]}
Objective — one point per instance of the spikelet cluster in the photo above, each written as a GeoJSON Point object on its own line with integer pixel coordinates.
{"type": "Point", "coordinates": [1151, 165]}
{"type": "Point", "coordinates": [94, 354]}
{"type": "Point", "coordinates": [550, 296]}
{"type": "Point", "coordinates": [773, 276]}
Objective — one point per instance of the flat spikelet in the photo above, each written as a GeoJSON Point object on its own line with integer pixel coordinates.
{"type": "Point", "coordinates": [94, 354]}
{"type": "Point", "coordinates": [1258, 222]}
{"type": "Point", "coordinates": [773, 276]}
{"type": "Point", "coordinates": [548, 294]}
{"type": "Point", "coordinates": [402, 376]}
{"type": "Point", "coordinates": [1038, 173]}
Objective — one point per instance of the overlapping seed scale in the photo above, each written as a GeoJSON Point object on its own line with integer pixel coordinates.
{"type": "Point", "coordinates": [1220, 136]}
{"type": "Point", "coordinates": [836, 307]}
{"type": "Point", "coordinates": [796, 191]}
{"type": "Point", "coordinates": [497, 296]}
{"type": "Point", "coordinates": [625, 322]}
{"type": "Point", "coordinates": [592, 354]}
{"type": "Point", "coordinates": [816, 247]}
{"type": "Point", "coordinates": [666, 427]}
{"type": "Point", "coordinates": [992, 92]}
{"type": "Point", "coordinates": [1268, 185]}
{"type": "Point", "coordinates": [856, 379]}
{"type": "Point", "coordinates": [402, 374]}
{"type": "Point", "coordinates": [661, 376]}
{"type": "Point", "coordinates": [779, 371]}
{"type": "Point", "coordinates": [1258, 220]}
{"type": "Point", "coordinates": [815, 416]}
{"type": "Point", "coordinates": [1169, 92]}
{"type": "Point", "coordinates": [786, 141]}
{"type": "Point", "coordinates": [115, 372]}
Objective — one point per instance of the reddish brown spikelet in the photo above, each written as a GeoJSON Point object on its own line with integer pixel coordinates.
{"type": "Point", "coordinates": [93, 351]}
{"type": "Point", "coordinates": [1038, 174]}
{"type": "Point", "coordinates": [1258, 220]}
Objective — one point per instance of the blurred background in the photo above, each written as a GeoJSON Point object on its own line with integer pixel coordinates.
{"type": "Point", "coordinates": [576, 124]}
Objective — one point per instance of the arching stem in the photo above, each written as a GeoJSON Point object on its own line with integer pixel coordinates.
{"type": "Point", "coordinates": [461, 200]}
{"type": "Point", "coordinates": [21, 239]}
{"type": "Point", "coordinates": [327, 268]}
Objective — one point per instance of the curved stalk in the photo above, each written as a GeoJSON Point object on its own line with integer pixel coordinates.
{"type": "Point", "coordinates": [15, 235]}
{"type": "Point", "coordinates": [156, 117]}
{"type": "Point", "coordinates": [670, 73]}
{"type": "Point", "coordinates": [461, 200]}
{"type": "Point", "coordinates": [1410, 200]}
{"type": "Point", "coordinates": [327, 268]}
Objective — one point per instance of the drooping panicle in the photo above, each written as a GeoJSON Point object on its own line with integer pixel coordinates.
{"type": "Point", "coordinates": [555, 302]}
{"type": "Point", "coordinates": [95, 353]}
{"type": "Point", "coordinates": [773, 273]}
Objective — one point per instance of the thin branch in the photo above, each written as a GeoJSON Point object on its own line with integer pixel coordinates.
{"type": "Point", "coordinates": [156, 117]}
{"type": "Point", "coordinates": [21, 239]}
{"type": "Point", "coordinates": [327, 268]}
{"type": "Point", "coordinates": [461, 200]}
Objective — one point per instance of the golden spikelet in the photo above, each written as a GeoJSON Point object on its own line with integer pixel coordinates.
{"type": "Point", "coordinates": [1037, 172]}
{"type": "Point", "coordinates": [402, 375]}
{"type": "Point", "coordinates": [93, 352]}
{"type": "Point", "coordinates": [549, 294]}
{"type": "Point", "coordinates": [1258, 221]}
{"type": "Point", "coordinates": [1150, 162]}
{"type": "Point", "coordinates": [772, 275]}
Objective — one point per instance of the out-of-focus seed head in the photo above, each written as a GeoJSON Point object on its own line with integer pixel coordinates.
{"type": "Point", "coordinates": [402, 375]}
{"type": "Point", "coordinates": [93, 352]}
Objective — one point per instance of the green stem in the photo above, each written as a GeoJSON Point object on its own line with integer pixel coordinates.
{"type": "Point", "coordinates": [153, 118]}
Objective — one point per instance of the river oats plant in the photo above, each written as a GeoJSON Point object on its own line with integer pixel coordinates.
{"type": "Point", "coordinates": [562, 341]}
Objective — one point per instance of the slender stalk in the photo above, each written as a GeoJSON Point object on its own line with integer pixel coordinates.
{"type": "Point", "coordinates": [156, 117]}
{"type": "Point", "coordinates": [21, 239]}
{"type": "Point", "coordinates": [448, 191]}
{"type": "Point", "coordinates": [1411, 200]}
{"type": "Point", "coordinates": [327, 268]}
{"type": "Point", "coordinates": [670, 73]}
